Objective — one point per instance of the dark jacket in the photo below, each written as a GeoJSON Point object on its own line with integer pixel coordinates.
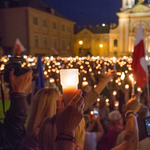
{"type": "Point", "coordinates": [12, 131]}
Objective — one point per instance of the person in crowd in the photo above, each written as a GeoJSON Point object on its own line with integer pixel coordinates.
{"type": "Point", "coordinates": [109, 139]}
{"type": "Point", "coordinates": [89, 100]}
{"type": "Point", "coordinates": [142, 113]}
{"type": "Point", "coordinates": [91, 138]}
{"type": "Point", "coordinates": [67, 120]}
{"type": "Point", "coordinates": [42, 107]}
{"type": "Point", "coordinates": [12, 130]}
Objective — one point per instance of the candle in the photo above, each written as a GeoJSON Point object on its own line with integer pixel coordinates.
{"type": "Point", "coordinates": [85, 83]}
{"type": "Point", "coordinates": [51, 80]}
{"type": "Point", "coordinates": [131, 78]}
{"type": "Point", "coordinates": [139, 89]}
{"type": "Point", "coordinates": [114, 61]}
{"type": "Point", "coordinates": [126, 86]}
{"type": "Point", "coordinates": [69, 81]}
{"type": "Point", "coordinates": [116, 105]}
{"type": "Point", "coordinates": [92, 113]}
{"type": "Point", "coordinates": [114, 93]}
{"type": "Point", "coordinates": [107, 102]}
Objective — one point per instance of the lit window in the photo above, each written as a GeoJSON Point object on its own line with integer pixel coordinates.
{"type": "Point", "coordinates": [45, 42]}
{"type": "Point", "coordinates": [44, 23]}
{"type": "Point", "coordinates": [36, 41]}
{"type": "Point", "coordinates": [115, 43]}
{"type": "Point", "coordinates": [35, 20]}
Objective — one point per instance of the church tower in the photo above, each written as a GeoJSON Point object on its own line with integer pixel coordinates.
{"type": "Point", "coordinates": [127, 4]}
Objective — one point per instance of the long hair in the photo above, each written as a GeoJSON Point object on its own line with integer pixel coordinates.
{"type": "Point", "coordinates": [42, 106]}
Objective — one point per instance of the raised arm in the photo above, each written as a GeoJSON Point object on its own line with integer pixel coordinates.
{"type": "Point", "coordinates": [92, 96]}
{"type": "Point", "coordinates": [12, 131]}
{"type": "Point", "coordinates": [131, 131]}
{"type": "Point", "coordinates": [67, 119]}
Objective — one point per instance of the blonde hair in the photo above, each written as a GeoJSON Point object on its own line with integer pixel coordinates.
{"type": "Point", "coordinates": [48, 133]}
{"type": "Point", "coordinates": [43, 106]}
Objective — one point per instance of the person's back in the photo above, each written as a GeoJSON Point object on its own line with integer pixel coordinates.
{"type": "Point", "coordinates": [90, 142]}
{"type": "Point", "coordinates": [42, 107]}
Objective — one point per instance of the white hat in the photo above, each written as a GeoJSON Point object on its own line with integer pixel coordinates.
{"type": "Point", "coordinates": [114, 115]}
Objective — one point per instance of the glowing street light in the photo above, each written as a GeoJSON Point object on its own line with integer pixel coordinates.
{"type": "Point", "coordinates": [80, 42]}
{"type": "Point", "coordinates": [101, 45]}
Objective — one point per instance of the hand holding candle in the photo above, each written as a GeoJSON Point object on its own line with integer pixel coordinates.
{"type": "Point", "coordinates": [69, 81]}
{"type": "Point", "coordinates": [131, 78]}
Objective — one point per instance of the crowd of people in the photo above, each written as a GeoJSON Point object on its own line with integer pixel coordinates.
{"type": "Point", "coordinates": [47, 123]}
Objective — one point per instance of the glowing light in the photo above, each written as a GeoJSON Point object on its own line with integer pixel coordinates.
{"type": "Point", "coordinates": [101, 45]}
{"type": "Point", "coordinates": [98, 100]}
{"type": "Point", "coordinates": [80, 42]}
{"type": "Point", "coordinates": [114, 93]}
{"type": "Point", "coordinates": [122, 76]}
{"type": "Point", "coordinates": [51, 80]}
{"type": "Point", "coordinates": [127, 86]}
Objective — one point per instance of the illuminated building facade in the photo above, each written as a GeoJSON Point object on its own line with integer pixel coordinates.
{"type": "Point", "coordinates": [39, 27]}
{"type": "Point", "coordinates": [117, 40]}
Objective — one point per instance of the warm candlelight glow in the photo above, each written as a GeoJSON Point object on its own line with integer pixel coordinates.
{"type": "Point", "coordinates": [84, 79]}
{"type": "Point", "coordinates": [85, 83]}
{"type": "Point", "coordinates": [92, 113]}
{"type": "Point", "coordinates": [114, 93]}
{"type": "Point", "coordinates": [107, 102]}
{"type": "Point", "coordinates": [122, 76]}
{"type": "Point", "coordinates": [127, 86]}
{"type": "Point", "coordinates": [51, 80]}
{"type": "Point", "coordinates": [69, 80]}
{"type": "Point", "coordinates": [131, 77]}
{"type": "Point", "coordinates": [98, 100]}
{"type": "Point", "coordinates": [139, 89]}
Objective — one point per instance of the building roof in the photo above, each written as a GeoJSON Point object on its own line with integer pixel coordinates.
{"type": "Point", "coordinates": [93, 29]}
{"type": "Point", "coordinates": [37, 4]}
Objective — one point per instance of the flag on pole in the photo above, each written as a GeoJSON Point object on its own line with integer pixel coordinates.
{"type": "Point", "coordinates": [19, 47]}
{"type": "Point", "coordinates": [55, 51]}
{"type": "Point", "coordinates": [139, 64]}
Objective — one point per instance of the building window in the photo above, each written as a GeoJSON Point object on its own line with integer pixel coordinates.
{"type": "Point", "coordinates": [36, 41]}
{"type": "Point", "coordinates": [63, 44]}
{"type": "Point", "coordinates": [45, 42]}
{"type": "Point", "coordinates": [54, 26]}
{"type": "Point", "coordinates": [69, 29]}
{"type": "Point", "coordinates": [55, 43]}
{"type": "Point", "coordinates": [115, 43]}
{"type": "Point", "coordinates": [35, 20]}
{"type": "Point", "coordinates": [44, 23]}
{"type": "Point", "coordinates": [63, 27]}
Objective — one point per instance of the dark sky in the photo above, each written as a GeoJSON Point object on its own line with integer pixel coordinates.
{"type": "Point", "coordinates": [88, 12]}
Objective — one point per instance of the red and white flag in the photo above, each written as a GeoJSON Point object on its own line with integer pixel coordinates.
{"type": "Point", "coordinates": [139, 64]}
{"type": "Point", "coordinates": [55, 51]}
{"type": "Point", "coordinates": [19, 47]}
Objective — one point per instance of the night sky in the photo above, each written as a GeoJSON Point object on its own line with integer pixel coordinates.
{"type": "Point", "coordinates": [88, 12]}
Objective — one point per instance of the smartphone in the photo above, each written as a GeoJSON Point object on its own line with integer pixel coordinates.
{"type": "Point", "coordinates": [95, 112]}
{"type": "Point", "coordinates": [147, 125]}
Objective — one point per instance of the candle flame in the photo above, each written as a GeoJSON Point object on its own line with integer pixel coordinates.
{"type": "Point", "coordinates": [126, 86]}
{"type": "Point", "coordinates": [131, 77]}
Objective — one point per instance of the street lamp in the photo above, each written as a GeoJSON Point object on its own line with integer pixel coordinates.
{"type": "Point", "coordinates": [101, 45]}
{"type": "Point", "coordinates": [80, 42]}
